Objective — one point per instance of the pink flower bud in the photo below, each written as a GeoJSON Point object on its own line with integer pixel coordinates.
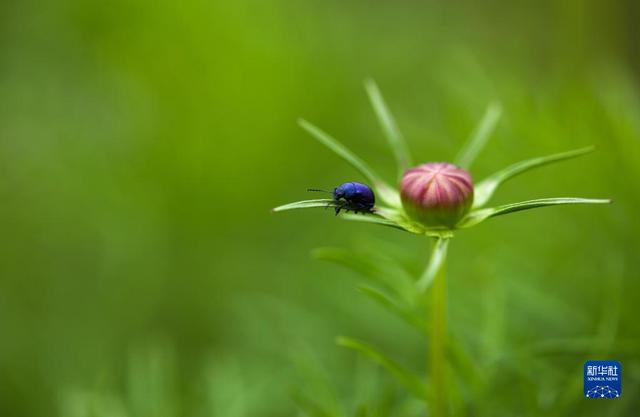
{"type": "Point", "coordinates": [436, 194]}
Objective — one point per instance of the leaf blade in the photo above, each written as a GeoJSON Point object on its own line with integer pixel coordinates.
{"type": "Point", "coordinates": [480, 136]}
{"type": "Point", "coordinates": [411, 381]}
{"type": "Point", "coordinates": [436, 261]}
{"type": "Point", "coordinates": [398, 217]}
{"type": "Point", "coordinates": [478, 216]}
{"type": "Point", "coordinates": [373, 219]}
{"type": "Point", "coordinates": [395, 307]}
{"type": "Point", "coordinates": [380, 270]}
{"type": "Point", "coordinates": [304, 204]}
{"type": "Point", "coordinates": [485, 189]}
{"type": "Point", "coordinates": [389, 126]}
{"type": "Point", "coordinates": [386, 192]}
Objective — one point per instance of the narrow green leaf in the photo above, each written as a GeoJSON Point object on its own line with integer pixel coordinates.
{"type": "Point", "coordinates": [389, 126]}
{"type": "Point", "coordinates": [466, 366]}
{"type": "Point", "coordinates": [321, 202]}
{"type": "Point", "coordinates": [386, 193]}
{"type": "Point", "coordinates": [485, 189]}
{"type": "Point", "coordinates": [436, 261]}
{"type": "Point", "coordinates": [372, 218]}
{"type": "Point", "coordinates": [480, 136]}
{"type": "Point", "coordinates": [400, 218]}
{"type": "Point", "coordinates": [317, 394]}
{"type": "Point", "coordinates": [411, 381]}
{"type": "Point", "coordinates": [396, 307]}
{"type": "Point", "coordinates": [380, 270]}
{"type": "Point", "coordinates": [480, 215]}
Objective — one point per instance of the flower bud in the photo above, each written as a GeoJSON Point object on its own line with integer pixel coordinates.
{"type": "Point", "coordinates": [436, 194]}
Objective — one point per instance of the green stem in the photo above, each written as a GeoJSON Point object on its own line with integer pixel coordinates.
{"type": "Point", "coordinates": [438, 360]}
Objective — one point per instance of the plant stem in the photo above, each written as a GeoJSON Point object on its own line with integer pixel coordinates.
{"type": "Point", "coordinates": [438, 360]}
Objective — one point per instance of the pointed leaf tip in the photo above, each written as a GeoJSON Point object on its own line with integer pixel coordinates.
{"type": "Point", "coordinates": [304, 204]}
{"type": "Point", "coordinates": [386, 192]}
{"type": "Point", "coordinates": [485, 189]}
{"type": "Point", "coordinates": [480, 136]}
{"type": "Point", "coordinates": [338, 148]}
{"type": "Point", "coordinates": [478, 216]}
{"type": "Point", "coordinates": [389, 126]}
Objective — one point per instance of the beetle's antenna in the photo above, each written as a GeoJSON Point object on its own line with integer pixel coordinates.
{"type": "Point", "coordinates": [318, 190]}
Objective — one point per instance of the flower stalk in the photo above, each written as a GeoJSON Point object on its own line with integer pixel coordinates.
{"type": "Point", "coordinates": [439, 331]}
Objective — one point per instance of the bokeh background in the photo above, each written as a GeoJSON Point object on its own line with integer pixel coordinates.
{"type": "Point", "coordinates": [142, 144]}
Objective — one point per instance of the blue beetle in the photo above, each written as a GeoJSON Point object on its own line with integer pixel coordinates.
{"type": "Point", "coordinates": [352, 196]}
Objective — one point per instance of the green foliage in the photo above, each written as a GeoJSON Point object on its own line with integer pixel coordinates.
{"type": "Point", "coordinates": [479, 137]}
{"type": "Point", "coordinates": [402, 309]}
{"type": "Point", "coordinates": [381, 188]}
{"type": "Point", "coordinates": [375, 218]}
{"type": "Point", "coordinates": [480, 215]}
{"type": "Point", "coordinates": [380, 270]}
{"type": "Point", "coordinates": [387, 122]}
{"type": "Point", "coordinates": [438, 257]}
{"type": "Point", "coordinates": [483, 191]}
{"type": "Point", "coordinates": [321, 202]}
{"type": "Point", "coordinates": [395, 217]}
{"type": "Point", "coordinates": [411, 382]}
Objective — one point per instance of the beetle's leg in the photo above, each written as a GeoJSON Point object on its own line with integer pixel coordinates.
{"type": "Point", "coordinates": [338, 209]}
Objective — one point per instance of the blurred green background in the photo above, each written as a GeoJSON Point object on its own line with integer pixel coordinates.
{"type": "Point", "coordinates": [142, 144]}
